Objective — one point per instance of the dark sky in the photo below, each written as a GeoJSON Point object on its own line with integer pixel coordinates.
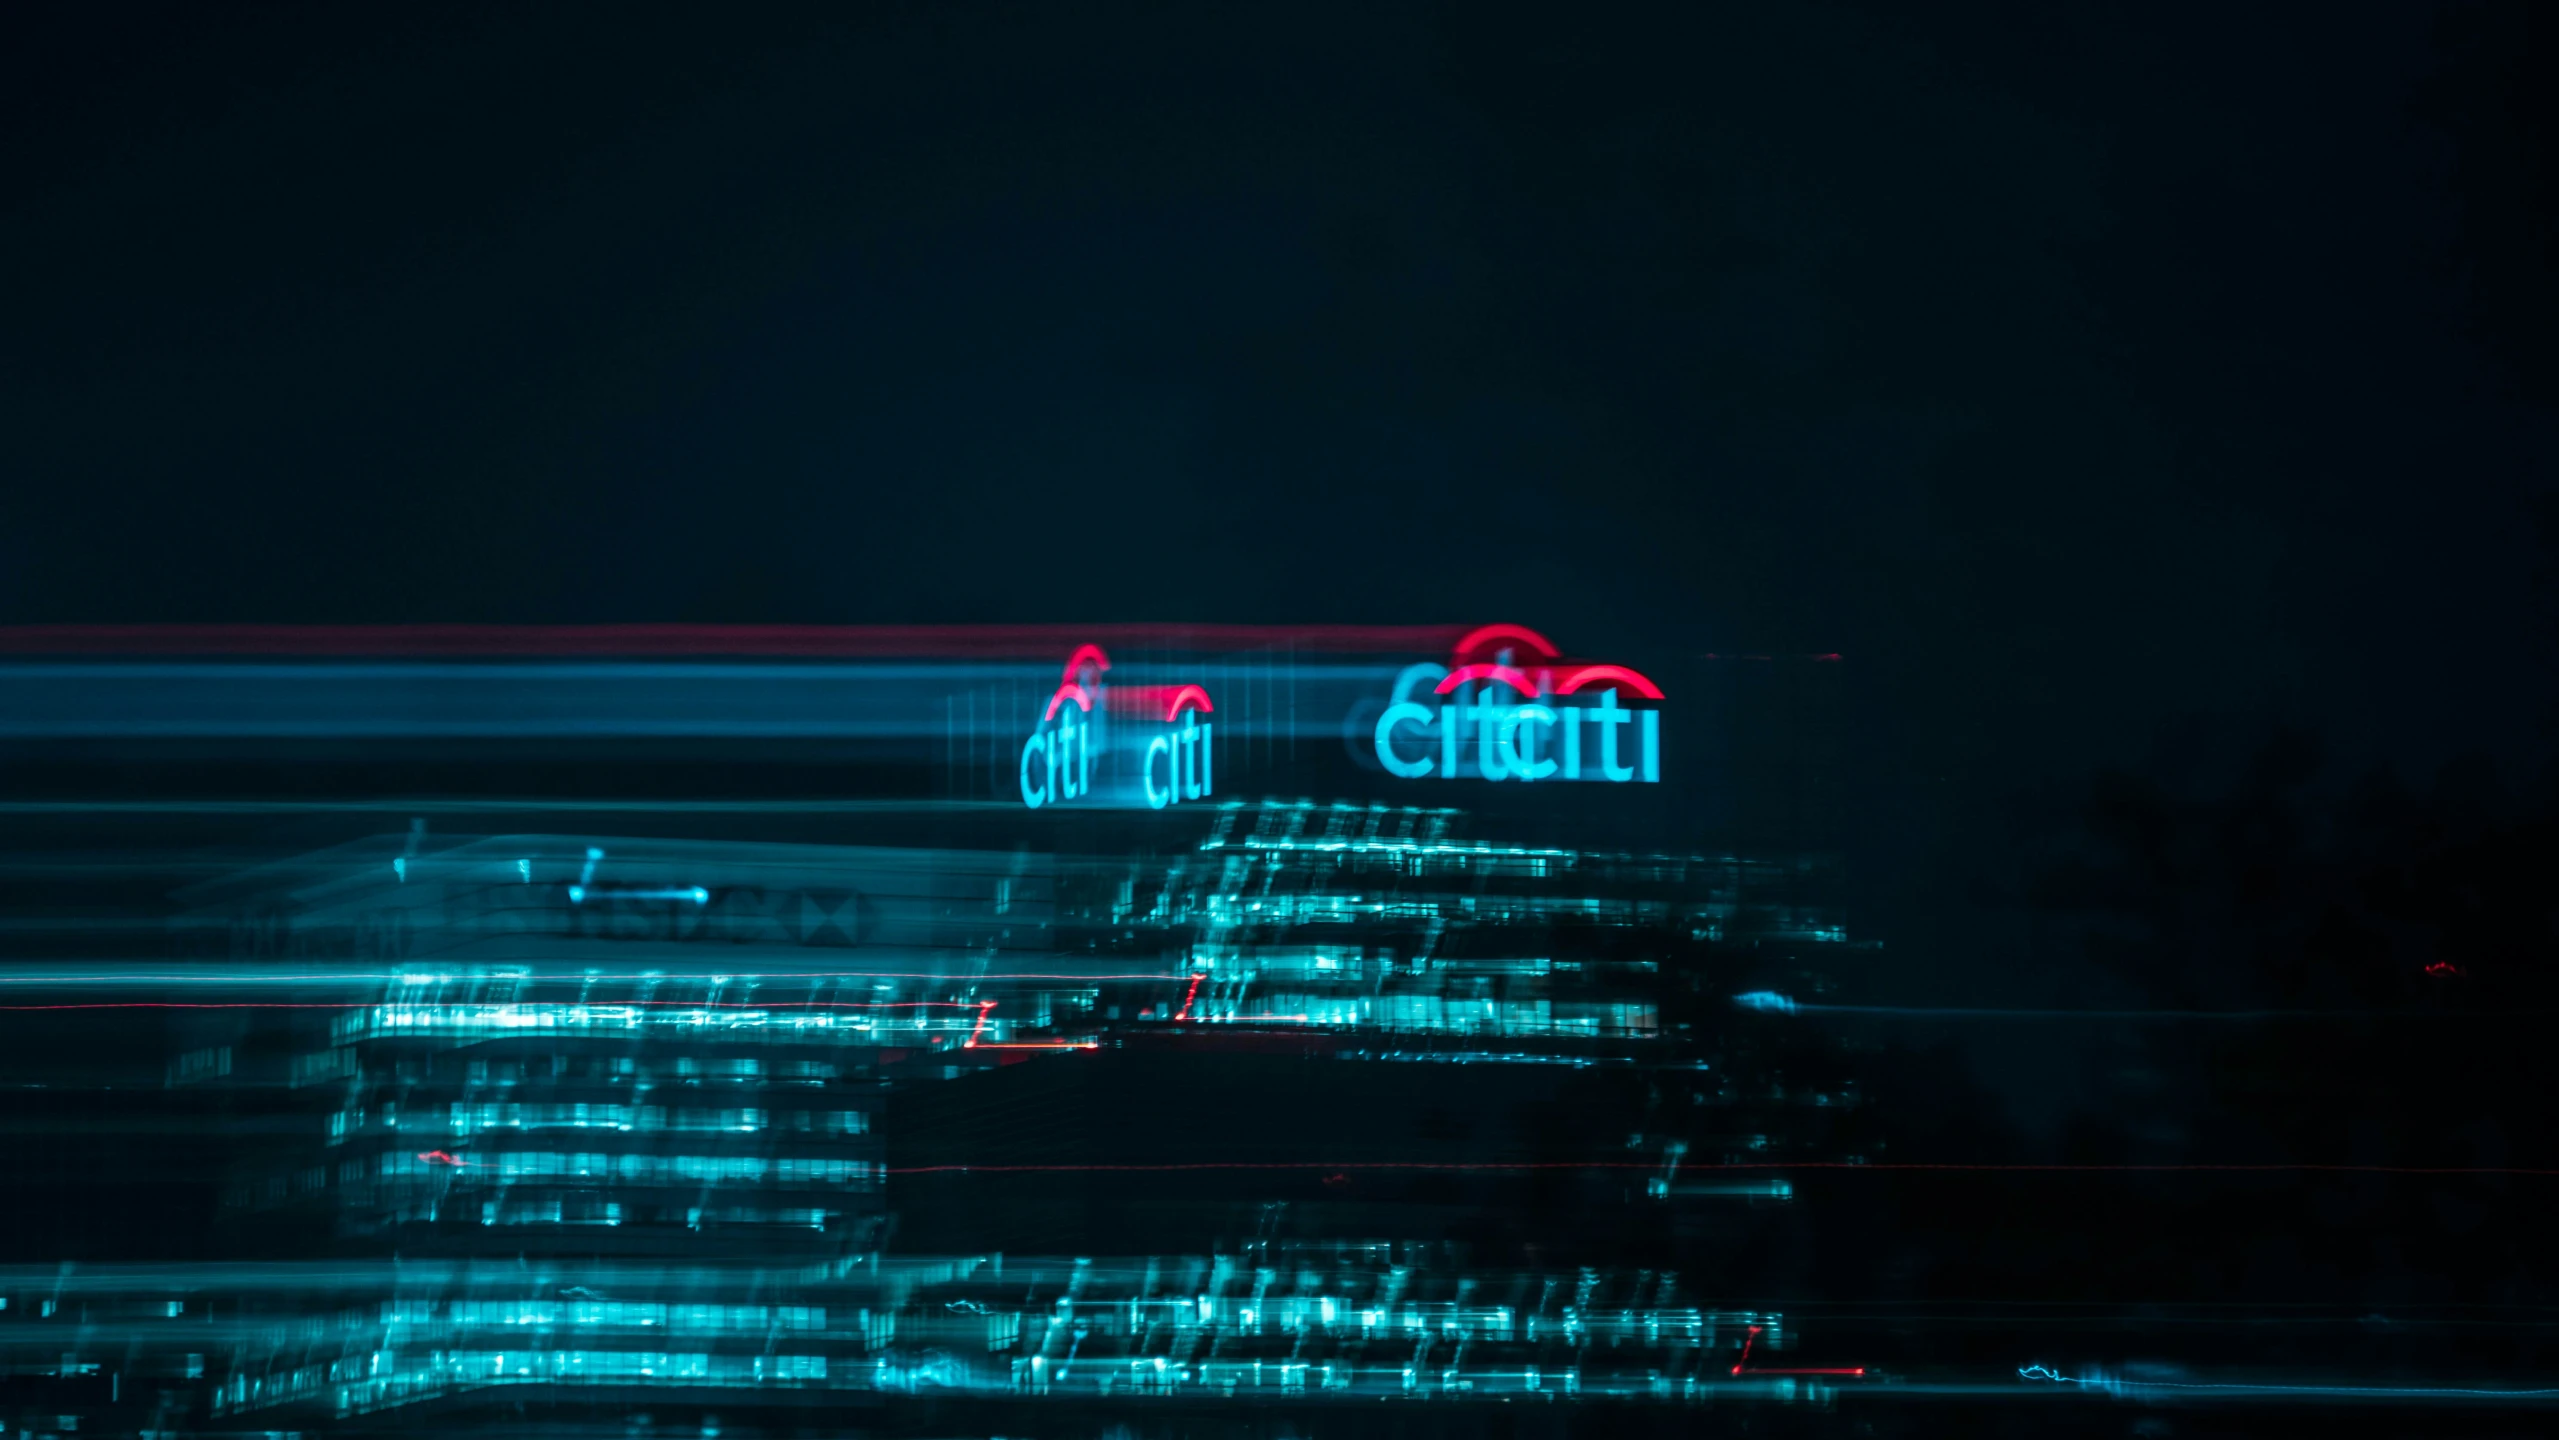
{"type": "Point", "coordinates": [2081, 373]}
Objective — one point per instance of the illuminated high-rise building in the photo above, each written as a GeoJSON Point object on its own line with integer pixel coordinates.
{"type": "Point", "coordinates": [1019, 1098]}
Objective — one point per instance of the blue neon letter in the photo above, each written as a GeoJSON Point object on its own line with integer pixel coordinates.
{"type": "Point", "coordinates": [1033, 795]}
{"type": "Point", "coordinates": [1610, 716]}
{"type": "Point", "coordinates": [1062, 760]}
{"type": "Point", "coordinates": [1190, 755]}
{"type": "Point", "coordinates": [1401, 713]}
{"type": "Point", "coordinates": [1519, 743]}
{"type": "Point", "coordinates": [1160, 745]}
{"type": "Point", "coordinates": [1489, 716]}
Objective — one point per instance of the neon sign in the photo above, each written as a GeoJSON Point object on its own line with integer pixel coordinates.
{"type": "Point", "coordinates": [1162, 732]}
{"type": "Point", "coordinates": [1189, 772]}
{"type": "Point", "coordinates": [1491, 716]}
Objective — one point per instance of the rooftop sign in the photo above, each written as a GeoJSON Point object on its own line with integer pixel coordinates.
{"type": "Point", "coordinates": [1510, 706]}
{"type": "Point", "coordinates": [1124, 745]}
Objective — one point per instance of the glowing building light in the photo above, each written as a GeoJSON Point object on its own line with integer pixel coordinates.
{"type": "Point", "coordinates": [1073, 754]}
{"type": "Point", "coordinates": [1519, 741]}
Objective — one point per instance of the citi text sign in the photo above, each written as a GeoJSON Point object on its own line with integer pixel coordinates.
{"type": "Point", "coordinates": [1509, 707]}
{"type": "Point", "coordinates": [1150, 744]}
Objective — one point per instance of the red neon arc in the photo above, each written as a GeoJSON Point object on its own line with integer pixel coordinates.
{"type": "Point", "coordinates": [1484, 636]}
{"type": "Point", "coordinates": [1069, 691]}
{"type": "Point", "coordinates": [1593, 674]}
{"type": "Point", "coordinates": [1084, 655]}
{"type": "Point", "coordinates": [1190, 697]}
{"type": "Point", "coordinates": [1501, 673]}
{"type": "Point", "coordinates": [1579, 679]}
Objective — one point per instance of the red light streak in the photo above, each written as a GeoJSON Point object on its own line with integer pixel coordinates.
{"type": "Point", "coordinates": [1751, 1338]}
{"type": "Point", "coordinates": [748, 1004]}
{"type": "Point", "coordinates": [438, 1157]}
{"type": "Point", "coordinates": [1069, 691]}
{"type": "Point", "coordinates": [942, 975]}
{"type": "Point", "coordinates": [926, 975]}
{"type": "Point", "coordinates": [1027, 642]}
{"type": "Point", "coordinates": [1191, 695]}
{"type": "Point", "coordinates": [1188, 996]}
{"type": "Point", "coordinates": [984, 1009]}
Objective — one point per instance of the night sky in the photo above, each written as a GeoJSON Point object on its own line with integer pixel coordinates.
{"type": "Point", "coordinates": [2117, 387]}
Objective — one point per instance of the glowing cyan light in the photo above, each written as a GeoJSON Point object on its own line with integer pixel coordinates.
{"type": "Point", "coordinates": [1507, 740]}
{"type": "Point", "coordinates": [1517, 744]}
{"type": "Point", "coordinates": [1522, 723]}
{"type": "Point", "coordinates": [1188, 772]}
{"type": "Point", "coordinates": [579, 894]}
{"type": "Point", "coordinates": [1071, 755]}
{"type": "Point", "coordinates": [1063, 750]}
{"type": "Point", "coordinates": [1405, 713]}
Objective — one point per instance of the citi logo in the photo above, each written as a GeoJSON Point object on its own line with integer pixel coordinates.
{"type": "Point", "coordinates": [1186, 755]}
{"type": "Point", "coordinates": [1124, 745]}
{"type": "Point", "coordinates": [1510, 707]}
